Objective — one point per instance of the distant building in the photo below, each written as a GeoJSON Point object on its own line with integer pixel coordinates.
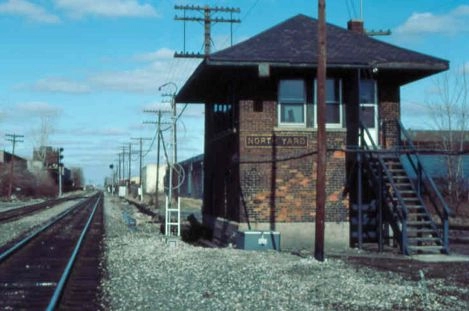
{"type": "Point", "coordinates": [149, 173]}
{"type": "Point", "coordinates": [18, 180]}
{"type": "Point", "coordinates": [47, 156]}
{"type": "Point", "coordinates": [192, 185]}
{"type": "Point", "coordinates": [6, 158]}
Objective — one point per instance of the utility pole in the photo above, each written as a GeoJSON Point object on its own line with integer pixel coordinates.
{"type": "Point", "coordinates": [321, 134]}
{"type": "Point", "coordinates": [119, 169]}
{"type": "Point", "coordinates": [207, 19]}
{"type": "Point", "coordinates": [172, 101]}
{"type": "Point", "coordinates": [159, 137]}
{"type": "Point", "coordinates": [130, 165]}
{"type": "Point", "coordinates": [13, 138]}
{"type": "Point", "coordinates": [124, 152]}
{"type": "Point", "coordinates": [140, 139]}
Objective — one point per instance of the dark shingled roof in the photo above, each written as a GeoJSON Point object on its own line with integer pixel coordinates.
{"type": "Point", "coordinates": [295, 42]}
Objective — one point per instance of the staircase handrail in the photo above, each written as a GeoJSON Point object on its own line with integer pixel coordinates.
{"type": "Point", "coordinates": [364, 132]}
{"type": "Point", "coordinates": [383, 166]}
{"type": "Point", "coordinates": [441, 207]}
{"type": "Point", "coordinates": [413, 150]}
{"type": "Point", "coordinates": [401, 213]}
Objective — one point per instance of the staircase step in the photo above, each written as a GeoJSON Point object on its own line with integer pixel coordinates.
{"type": "Point", "coordinates": [417, 231]}
{"type": "Point", "coordinates": [420, 223]}
{"type": "Point", "coordinates": [395, 171]}
{"type": "Point", "coordinates": [401, 184]}
{"type": "Point", "coordinates": [418, 217]}
{"type": "Point", "coordinates": [407, 199]}
{"type": "Point", "coordinates": [418, 206]}
{"type": "Point", "coordinates": [407, 191]}
{"type": "Point", "coordinates": [424, 240]}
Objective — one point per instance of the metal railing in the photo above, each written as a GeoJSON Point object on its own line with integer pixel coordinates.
{"type": "Point", "coordinates": [425, 183]}
{"type": "Point", "coordinates": [390, 195]}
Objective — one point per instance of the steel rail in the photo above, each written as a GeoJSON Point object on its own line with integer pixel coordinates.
{"type": "Point", "coordinates": [60, 286]}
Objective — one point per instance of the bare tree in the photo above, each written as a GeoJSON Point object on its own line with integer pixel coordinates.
{"type": "Point", "coordinates": [450, 110]}
{"type": "Point", "coordinates": [42, 134]}
{"type": "Point", "coordinates": [78, 180]}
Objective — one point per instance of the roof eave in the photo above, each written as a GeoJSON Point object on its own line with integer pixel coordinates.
{"type": "Point", "coordinates": [442, 66]}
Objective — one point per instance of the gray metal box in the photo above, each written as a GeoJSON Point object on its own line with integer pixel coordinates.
{"type": "Point", "coordinates": [258, 240]}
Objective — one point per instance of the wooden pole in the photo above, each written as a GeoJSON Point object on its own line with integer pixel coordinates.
{"type": "Point", "coordinates": [321, 138]}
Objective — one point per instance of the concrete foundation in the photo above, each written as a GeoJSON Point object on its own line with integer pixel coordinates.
{"type": "Point", "coordinates": [293, 236]}
{"type": "Point", "coordinates": [301, 235]}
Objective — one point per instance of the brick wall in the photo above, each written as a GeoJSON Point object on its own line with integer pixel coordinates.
{"type": "Point", "coordinates": [220, 193]}
{"type": "Point", "coordinates": [389, 112]}
{"type": "Point", "coordinates": [277, 178]}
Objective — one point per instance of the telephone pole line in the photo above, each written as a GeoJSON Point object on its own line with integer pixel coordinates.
{"type": "Point", "coordinates": [130, 164]}
{"type": "Point", "coordinates": [123, 169]}
{"type": "Point", "coordinates": [208, 19]}
{"type": "Point", "coordinates": [140, 140]}
{"type": "Point", "coordinates": [159, 137]}
{"type": "Point", "coordinates": [14, 139]}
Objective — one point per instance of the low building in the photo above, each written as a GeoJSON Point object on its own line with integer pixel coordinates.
{"type": "Point", "coordinates": [149, 175]}
{"type": "Point", "coordinates": [260, 158]}
{"type": "Point", "coordinates": [192, 184]}
{"type": "Point", "coordinates": [6, 158]}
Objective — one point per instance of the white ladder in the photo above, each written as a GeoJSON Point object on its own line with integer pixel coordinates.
{"type": "Point", "coordinates": [169, 215]}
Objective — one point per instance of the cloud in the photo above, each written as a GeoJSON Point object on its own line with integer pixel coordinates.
{"type": "Point", "coordinates": [106, 8]}
{"type": "Point", "coordinates": [60, 85]}
{"type": "Point", "coordinates": [135, 81]}
{"type": "Point", "coordinates": [159, 67]}
{"type": "Point", "coordinates": [37, 108]}
{"type": "Point", "coordinates": [450, 23]}
{"type": "Point", "coordinates": [161, 54]}
{"type": "Point", "coordinates": [110, 131]}
{"type": "Point", "coordinates": [32, 12]}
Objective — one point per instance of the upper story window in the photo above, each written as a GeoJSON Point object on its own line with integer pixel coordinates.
{"type": "Point", "coordinates": [334, 111]}
{"type": "Point", "coordinates": [222, 117]}
{"type": "Point", "coordinates": [294, 109]}
{"type": "Point", "coordinates": [334, 106]}
{"type": "Point", "coordinates": [292, 103]}
{"type": "Point", "coordinates": [368, 101]}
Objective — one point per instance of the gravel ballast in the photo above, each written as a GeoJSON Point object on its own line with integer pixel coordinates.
{"type": "Point", "coordinates": [11, 230]}
{"type": "Point", "coordinates": [143, 272]}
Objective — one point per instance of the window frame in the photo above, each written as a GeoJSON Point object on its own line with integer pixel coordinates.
{"type": "Point", "coordinates": [286, 101]}
{"type": "Point", "coordinates": [341, 123]}
{"type": "Point", "coordinates": [373, 104]}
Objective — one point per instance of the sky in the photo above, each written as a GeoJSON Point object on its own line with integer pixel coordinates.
{"type": "Point", "coordinates": [80, 74]}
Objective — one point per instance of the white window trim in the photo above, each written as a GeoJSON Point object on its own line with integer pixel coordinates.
{"type": "Point", "coordinates": [340, 125]}
{"type": "Point", "coordinates": [279, 110]}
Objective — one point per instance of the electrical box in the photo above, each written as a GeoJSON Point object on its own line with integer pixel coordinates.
{"type": "Point", "coordinates": [258, 240]}
{"type": "Point", "coordinates": [122, 191]}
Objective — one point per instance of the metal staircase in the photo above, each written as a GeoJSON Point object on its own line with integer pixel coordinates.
{"type": "Point", "coordinates": [406, 201]}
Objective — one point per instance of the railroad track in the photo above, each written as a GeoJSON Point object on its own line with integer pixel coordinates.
{"type": "Point", "coordinates": [57, 265]}
{"type": "Point", "coordinates": [18, 212]}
